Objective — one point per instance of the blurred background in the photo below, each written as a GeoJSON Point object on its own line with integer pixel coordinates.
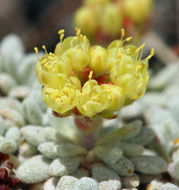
{"type": "Point", "coordinates": [37, 21]}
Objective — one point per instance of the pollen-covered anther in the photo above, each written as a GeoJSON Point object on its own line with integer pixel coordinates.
{"type": "Point", "coordinates": [139, 48]}
{"type": "Point", "coordinates": [151, 54]}
{"type": "Point", "coordinates": [37, 52]}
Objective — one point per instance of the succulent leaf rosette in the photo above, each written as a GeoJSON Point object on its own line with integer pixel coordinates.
{"type": "Point", "coordinates": [102, 20]}
{"type": "Point", "coordinates": [91, 80]}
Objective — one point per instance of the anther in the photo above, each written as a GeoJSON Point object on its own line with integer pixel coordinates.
{"type": "Point", "coordinates": [90, 75]}
{"type": "Point", "coordinates": [61, 32]}
{"type": "Point", "coordinates": [151, 54]}
{"type": "Point", "coordinates": [43, 47]}
{"type": "Point", "coordinates": [37, 52]}
{"type": "Point", "coordinates": [61, 37]}
{"type": "Point", "coordinates": [139, 48]}
{"type": "Point", "coordinates": [128, 39]}
{"type": "Point", "coordinates": [122, 33]}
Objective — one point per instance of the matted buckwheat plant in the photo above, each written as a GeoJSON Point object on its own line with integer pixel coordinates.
{"type": "Point", "coordinates": [86, 142]}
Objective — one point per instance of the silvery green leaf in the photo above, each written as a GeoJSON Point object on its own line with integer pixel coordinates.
{"type": "Point", "coordinates": [135, 128]}
{"type": "Point", "coordinates": [7, 102]}
{"type": "Point", "coordinates": [66, 183]}
{"type": "Point", "coordinates": [19, 92]}
{"type": "Point", "coordinates": [164, 77]}
{"type": "Point", "coordinates": [108, 154]}
{"type": "Point", "coordinates": [152, 165]}
{"type": "Point", "coordinates": [173, 169]}
{"type": "Point", "coordinates": [2, 127]}
{"type": "Point", "coordinates": [12, 117]}
{"type": "Point", "coordinates": [110, 185]}
{"type": "Point", "coordinates": [171, 90]}
{"type": "Point", "coordinates": [81, 173]}
{"type": "Point", "coordinates": [154, 184]}
{"type": "Point", "coordinates": [86, 183]}
{"type": "Point", "coordinates": [6, 83]}
{"type": "Point", "coordinates": [113, 136]}
{"type": "Point", "coordinates": [123, 133]}
{"type": "Point", "coordinates": [11, 53]}
{"type": "Point", "coordinates": [169, 186]}
{"type": "Point", "coordinates": [131, 150]}
{"type": "Point", "coordinates": [103, 173]}
{"type": "Point", "coordinates": [145, 136]}
{"type": "Point", "coordinates": [153, 98]}
{"type": "Point", "coordinates": [173, 106]}
{"type": "Point", "coordinates": [124, 167]}
{"type": "Point", "coordinates": [132, 111]}
{"type": "Point", "coordinates": [64, 166]}
{"type": "Point", "coordinates": [34, 170]}
{"type": "Point", "coordinates": [27, 70]}
{"type": "Point", "coordinates": [164, 125]}
{"type": "Point", "coordinates": [48, 150]}
{"type": "Point", "coordinates": [51, 134]}
{"type": "Point", "coordinates": [33, 134]}
{"type": "Point", "coordinates": [14, 134]}
{"type": "Point", "coordinates": [50, 184]}
{"type": "Point", "coordinates": [27, 150]}
{"type": "Point", "coordinates": [66, 150]}
{"type": "Point", "coordinates": [175, 154]}
{"type": "Point", "coordinates": [65, 126]}
{"type": "Point", "coordinates": [7, 146]}
{"type": "Point", "coordinates": [34, 108]}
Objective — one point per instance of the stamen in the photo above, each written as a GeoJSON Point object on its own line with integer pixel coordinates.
{"type": "Point", "coordinates": [122, 33]}
{"type": "Point", "coordinates": [117, 47]}
{"type": "Point", "coordinates": [90, 75]}
{"type": "Point", "coordinates": [43, 47]}
{"type": "Point", "coordinates": [61, 32]}
{"type": "Point", "coordinates": [37, 52]}
{"type": "Point", "coordinates": [128, 39]}
{"type": "Point", "coordinates": [139, 48]}
{"type": "Point", "coordinates": [61, 37]}
{"type": "Point", "coordinates": [151, 54]}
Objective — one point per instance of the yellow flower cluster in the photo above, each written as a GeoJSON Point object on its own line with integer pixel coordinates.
{"type": "Point", "coordinates": [109, 16]}
{"type": "Point", "coordinates": [91, 80]}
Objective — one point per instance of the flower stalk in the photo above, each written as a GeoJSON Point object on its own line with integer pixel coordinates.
{"type": "Point", "coordinates": [88, 130]}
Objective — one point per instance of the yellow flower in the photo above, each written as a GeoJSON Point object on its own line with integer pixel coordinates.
{"type": "Point", "coordinates": [130, 72]}
{"type": "Point", "coordinates": [111, 20]}
{"type": "Point", "coordinates": [77, 49]}
{"type": "Point", "coordinates": [102, 20]}
{"type": "Point", "coordinates": [61, 100]}
{"type": "Point", "coordinates": [138, 10]}
{"type": "Point", "coordinates": [85, 19]}
{"type": "Point", "coordinates": [92, 80]}
{"type": "Point", "coordinates": [98, 57]}
{"type": "Point", "coordinates": [93, 100]}
{"type": "Point", "coordinates": [116, 97]}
